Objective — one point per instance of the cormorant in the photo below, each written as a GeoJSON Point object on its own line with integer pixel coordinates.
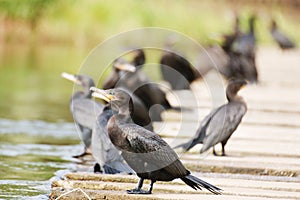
{"type": "Point", "coordinates": [144, 151]}
{"type": "Point", "coordinates": [282, 40]}
{"type": "Point", "coordinates": [230, 38]}
{"type": "Point", "coordinates": [245, 44]}
{"type": "Point", "coordinates": [120, 69]}
{"type": "Point", "coordinates": [176, 69]}
{"type": "Point", "coordinates": [139, 84]}
{"type": "Point", "coordinates": [218, 126]}
{"type": "Point", "coordinates": [240, 48]}
{"type": "Point", "coordinates": [83, 108]}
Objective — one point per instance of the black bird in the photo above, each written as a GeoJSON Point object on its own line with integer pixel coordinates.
{"type": "Point", "coordinates": [240, 48]}
{"type": "Point", "coordinates": [229, 39]}
{"type": "Point", "coordinates": [214, 57]}
{"type": "Point", "coordinates": [282, 40]}
{"type": "Point", "coordinates": [245, 43]}
{"type": "Point", "coordinates": [176, 69]}
{"type": "Point", "coordinates": [139, 84]}
{"type": "Point", "coordinates": [83, 108]}
{"type": "Point", "coordinates": [218, 126]}
{"type": "Point", "coordinates": [144, 151]}
{"type": "Point", "coordinates": [120, 69]}
{"type": "Point", "coordinates": [109, 159]}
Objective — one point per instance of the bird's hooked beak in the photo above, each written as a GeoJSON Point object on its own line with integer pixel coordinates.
{"type": "Point", "coordinates": [101, 94]}
{"type": "Point", "coordinates": [70, 77]}
{"type": "Point", "coordinates": [125, 67]}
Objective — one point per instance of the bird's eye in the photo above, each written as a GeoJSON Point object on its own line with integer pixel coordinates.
{"type": "Point", "coordinates": [112, 93]}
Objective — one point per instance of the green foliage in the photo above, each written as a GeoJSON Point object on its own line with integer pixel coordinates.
{"type": "Point", "coordinates": [79, 20]}
{"type": "Point", "coordinates": [29, 10]}
{"type": "Point", "coordinates": [90, 21]}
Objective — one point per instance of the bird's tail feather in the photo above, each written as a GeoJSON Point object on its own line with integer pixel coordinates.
{"type": "Point", "coordinates": [197, 183]}
{"type": "Point", "coordinates": [188, 145]}
{"type": "Point", "coordinates": [176, 108]}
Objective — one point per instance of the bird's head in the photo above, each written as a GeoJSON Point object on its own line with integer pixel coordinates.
{"type": "Point", "coordinates": [122, 65]}
{"type": "Point", "coordinates": [139, 58]}
{"type": "Point", "coordinates": [119, 100]}
{"type": "Point", "coordinates": [82, 80]}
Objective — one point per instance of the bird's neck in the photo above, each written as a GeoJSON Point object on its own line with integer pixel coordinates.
{"type": "Point", "coordinates": [87, 93]}
{"type": "Point", "coordinates": [251, 25]}
{"type": "Point", "coordinates": [114, 131]}
{"type": "Point", "coordinates": [237, 99]}
{"type": "Point", "coordinates": [234, 97]}
{"type": "Point", "coordinates": [78, 95]}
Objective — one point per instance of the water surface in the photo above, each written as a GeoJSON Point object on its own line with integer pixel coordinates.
{"type": "Point", "coordinates": [37, 136]}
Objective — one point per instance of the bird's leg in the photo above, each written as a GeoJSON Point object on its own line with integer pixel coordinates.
{"type": "Point", "coordinates": [151, 186]}
{"type": "Point", "coordinates": [223, 149]}
{"type": "Point", "coordinates": [214, 151]}
{"type": "Point", "coordinates": [138, 190]}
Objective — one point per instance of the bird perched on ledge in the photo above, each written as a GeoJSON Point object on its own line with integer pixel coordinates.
{"type": "Point", "coordinates": [144, 151]}
{"type": "Point", "coordinates": [282, 40]}
{"type": "Point", "coordinates": [219, 124]}
{"type": "Point", "coordinates": [83, 108]}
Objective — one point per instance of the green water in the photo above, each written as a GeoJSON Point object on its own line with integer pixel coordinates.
{"type": "Point", "coordinates": [37, 136]}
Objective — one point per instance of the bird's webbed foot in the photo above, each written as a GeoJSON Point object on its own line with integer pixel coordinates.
{"type": "Point", "coordinates": [138, 191]}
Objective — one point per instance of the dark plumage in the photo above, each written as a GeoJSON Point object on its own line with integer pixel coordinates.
{"type": "Point", "coordinates": [119, 68]}
{"type": "Point", "coordinates": [176, 69]}
{"type": "Point", "coordinates": [282, 40]}
{"type": "Point", "coordinates": [240, 48]}
{"type": "Point", "coordinates": [145, 152]}
{"type": "Point", "coordinates": [218, 126]}
{"type": "Point", "coordinates": [116, 80]}
{"type": "Point", "coordinates": [137, 83]}
{"type": "Point", "coordinates": [229, 39]}
{"type": "Point", "coordinates": [83, 108]}
{"type": "Point", "coordinates": [245, 43]}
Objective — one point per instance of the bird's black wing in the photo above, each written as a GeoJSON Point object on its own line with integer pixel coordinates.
{"type": "Point", "coordinates": [150, 152]}
{"type": "Point", "coordinates": [177, 71]}
{"type": "Point", "coordinates": [223, 123]}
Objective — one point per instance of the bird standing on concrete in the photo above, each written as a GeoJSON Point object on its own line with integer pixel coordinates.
{"type": "Point", "coordinates": [144, 151]}
{"type": "Point", "coordinates": [219, 124]}
{"type": "Point", "coordinates": [282, 40]}
{"type": "Point", "coordinates": [83, 108]}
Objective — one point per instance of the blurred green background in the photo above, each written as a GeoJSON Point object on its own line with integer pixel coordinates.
{"type": "Point", "coordinates": [39, 39]}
